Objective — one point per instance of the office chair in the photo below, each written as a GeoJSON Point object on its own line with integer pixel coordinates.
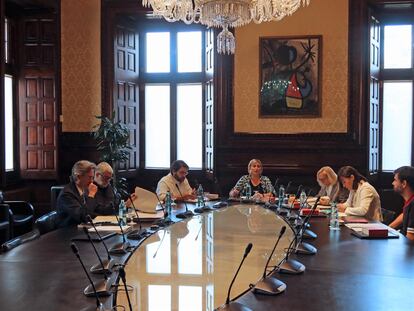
{"type": "Point", "coordinates": [21, 217]}
{"type": "Point", "coordinates": [54, 193]}
{"type": "Point", "coordinates": [47, 223]}
{"type": "Point", "coordinates": [4, 223]}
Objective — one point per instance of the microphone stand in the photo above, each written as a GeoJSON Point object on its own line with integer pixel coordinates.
{"type": "Point", "coordinates": [307, 233]}
{"type": "Point", "coordinates": [233, 305]}
{"type": "Point", "coordinates": [93, 289]}
{"type": "Point", "coordinates": [303, 247]}
{"type": "Point", "coordinates": [187, 212]}
{"type": "Point", "coordinates": [291, 266]}
{"type": "Point", "coordinates": [99, 267]}
{"type": "Point", "coordinates": [163, 222]}
{"type": "Point", "coordinates": [107, 263]}
{"type": "Point", "coordinates": [270, 285]}
{"type": "Point", "coordinates": [221, 203]}
{"type": "Point", "coordinates": [120, 248]}
{"type": "Point", "coordinates": [123, 278]}
{"type": "Point", "coordinates": [140, 233]}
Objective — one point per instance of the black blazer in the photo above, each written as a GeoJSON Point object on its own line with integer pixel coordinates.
{"type": "Point", "coordinates": [73, 208]}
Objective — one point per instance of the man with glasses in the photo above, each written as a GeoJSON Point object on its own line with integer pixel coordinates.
{"type": "Point", "coordinates": [77, 199]}
{"type": "Point", "coordinates": [104, 198]}
{"type": "Point", "coordinates": [176, 178]}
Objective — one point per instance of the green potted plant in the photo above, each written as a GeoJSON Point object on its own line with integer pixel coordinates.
{"type": "Point", "coordinates": [112, 140]}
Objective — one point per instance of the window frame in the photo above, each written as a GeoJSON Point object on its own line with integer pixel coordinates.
{"type": "Point", "coordinates": [173, 78]}
{"type": "Point", "coordinates": [388, 18]}
{"type": "Point", "coordinates": [10, 69]}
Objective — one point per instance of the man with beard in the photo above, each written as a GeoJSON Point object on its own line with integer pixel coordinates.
{"type": "Point", "coordinates": [404, 185]}
{"type": "Point", "coordinates": [176, 178]}
{"type": "Point", "coordinates": [104, 198]}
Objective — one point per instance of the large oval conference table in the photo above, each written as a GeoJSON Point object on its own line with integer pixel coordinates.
{"type": "Point", "coordinates": [190, 264]}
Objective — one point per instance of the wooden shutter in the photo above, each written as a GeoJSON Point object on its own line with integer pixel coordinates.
{"type": "Point", "coordinates": [374, 95]}
{"type": "Point", "coordinates": [37, 98]}
{"type": "Point", "coordinates": [209, 101]}
{"type": "Point", "coordinates": [126, 99]}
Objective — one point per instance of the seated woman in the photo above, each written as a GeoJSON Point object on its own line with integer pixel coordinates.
{"type": "Point", "coordinates": [363, 199]}
{"type": "Point", "coordinates": [330, 189]}
{"type": "Point", "coordinates": [261, 186]}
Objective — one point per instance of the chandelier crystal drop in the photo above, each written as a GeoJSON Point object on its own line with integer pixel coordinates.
{"type": "Point", "coordinates": [224, 14]}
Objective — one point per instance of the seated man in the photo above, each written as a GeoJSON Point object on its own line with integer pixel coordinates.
{"type": "Point", "coordinates": [404, 185]}
{"type": "Point", "coordinates": [77, 199]}
{"type": "Point", "coordinates": [104, 198]}
{"type": "Point", "coordinates": [176, 178]}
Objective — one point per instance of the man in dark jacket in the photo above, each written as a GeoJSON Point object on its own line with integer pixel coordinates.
{"type": "Point", "coordinates": [77, 199]}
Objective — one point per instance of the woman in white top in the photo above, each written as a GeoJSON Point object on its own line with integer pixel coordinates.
{"type": "Point", "coordinates": [363, 199]}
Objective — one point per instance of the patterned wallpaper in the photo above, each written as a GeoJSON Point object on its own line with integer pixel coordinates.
{"type": "Point", "coordinates": [326, 18]}
{"type": "Point", "coordinates": [81, 64]}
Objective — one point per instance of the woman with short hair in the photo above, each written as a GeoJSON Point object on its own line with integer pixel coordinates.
{"type": "Point", "coordinates": [260, 185]}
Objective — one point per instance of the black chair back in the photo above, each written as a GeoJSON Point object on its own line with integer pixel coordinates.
{"type": "Point", "coordinates": [387, 216]}
{"type": "Point", "coordinates": [54, 193]}
{"type": "Point", "coordinates": [47, 223]}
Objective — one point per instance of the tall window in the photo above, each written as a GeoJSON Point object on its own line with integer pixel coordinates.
{"type": "Point", "coordinates": [172, 77]}
{"type": "Point", "coordinates": [9, 100]}
{"type": "Point", "coordinates": [397, 100]}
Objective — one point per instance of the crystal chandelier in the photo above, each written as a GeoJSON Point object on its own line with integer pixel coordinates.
{"type": "Point", "coordinates": [224, 14]}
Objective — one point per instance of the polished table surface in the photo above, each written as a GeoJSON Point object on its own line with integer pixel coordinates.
{"type": "Point", "coordinates": [346, 274]}
{"type": "Point", "coordinates": [191, 263]}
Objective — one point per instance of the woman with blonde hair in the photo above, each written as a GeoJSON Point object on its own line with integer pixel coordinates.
{"type": "Point", "coordinates": [260, 185]}
{"type": "Point", "coordinates": [328, 181]}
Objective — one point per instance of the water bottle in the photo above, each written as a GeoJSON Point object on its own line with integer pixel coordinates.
{"type": "Point", "coordinates": [168, 204]}
{"type": "Point", "coordinates": [248, 191]}
{"type": "Point", "coordinates": [122, 213]}
{"type": "Point", "coordinates": [302, 199]}
{"type": "Point", "coordinates": [334, 221]}
{"type": "Point", "coordinates": [281, 195]}
{"type": "Point", "coordinates": [200, 196]}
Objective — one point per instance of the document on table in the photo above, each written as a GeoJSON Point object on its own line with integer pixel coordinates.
{"type": "Point", "coordinates": [116, 229]}
{"type": "Point", "coordinates": [358, 227]}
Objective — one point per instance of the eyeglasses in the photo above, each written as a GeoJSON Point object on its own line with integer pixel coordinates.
{"type": "Point", "coordinates": [106, 177]}
{"type": "Point", "coordinates": [182, 173]}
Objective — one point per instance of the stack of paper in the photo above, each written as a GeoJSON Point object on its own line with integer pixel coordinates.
{"type": "Point", "coordinates": [116, 229]}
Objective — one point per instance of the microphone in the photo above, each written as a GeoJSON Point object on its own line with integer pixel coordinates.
{"type": "Point", "coordinates": [290, 266]}
{"type": "Point", "coordinates": [187, 212]}
{"type": "Point", "coordinates": [163, 222]}
{"type": "Point", "coordinates": [107, 263]}
{"type": "Point", "coordinates": [140, 233]}
{"type": "Point", "coordinates": [96, 289]}
{"type": "Point", "coordinates": [303, 247]}
{"type": "Point", "coordinates": [120, 248]}
{"type": "Point", "coordinates": [233, 305]}
{"type": "Point", "coordinates": [270, 285]}
{"type": "Point", "coordinates": [99, 267]}
{"type": "Point", "coordinates": [123, 278]}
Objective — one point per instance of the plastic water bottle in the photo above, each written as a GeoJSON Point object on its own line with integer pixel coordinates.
{"type": "Point", "coordinates": [281, 195]}
{"type": "Point", "coordinates": [200, 196]}
{"type": "Point", "coordinates": [248, 191]}
{"type": "Point", "coordinates": [168, 204]}
{"type": "Point", "coordinates": [122, 213]}
{"type": "Point", "coordinates": [302, 199]}
{"type": "Point", "coordinates": [334, 221]}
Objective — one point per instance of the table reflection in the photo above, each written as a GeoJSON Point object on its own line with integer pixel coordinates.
{"type": "Point", "coordinates": [189, 265]}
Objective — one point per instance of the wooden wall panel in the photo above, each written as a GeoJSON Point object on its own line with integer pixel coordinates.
{"type": "Point", "coordinates": [37, 97]}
